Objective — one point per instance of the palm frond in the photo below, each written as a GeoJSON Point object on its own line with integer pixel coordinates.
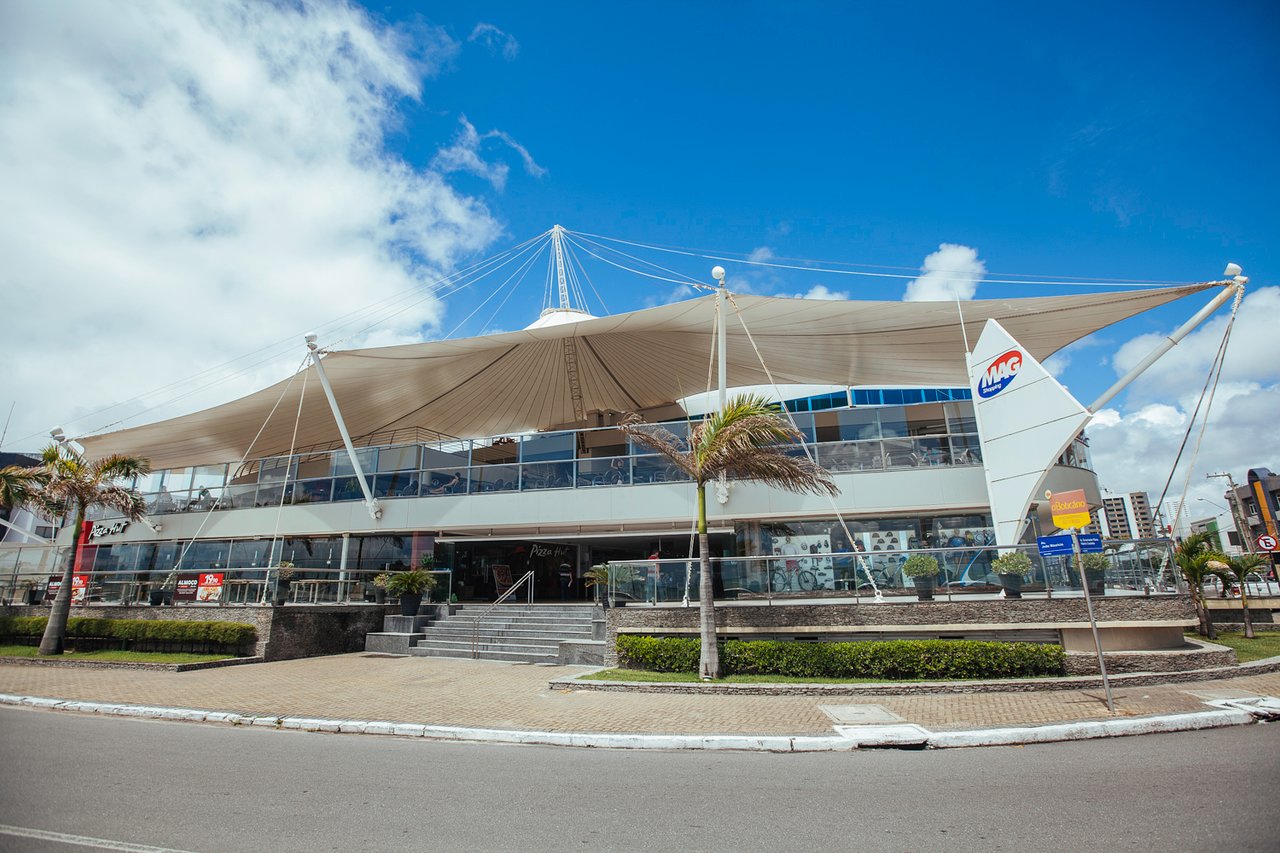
{"type": "Point", "coordinates": [21, 487]}
{"type": "Point", "coordinates": [119, 467]}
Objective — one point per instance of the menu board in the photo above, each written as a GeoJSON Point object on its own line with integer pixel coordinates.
{"type": "Point", "coordinates": [209, 587]}
{"type": "Point", "coordinates": [188, 586]}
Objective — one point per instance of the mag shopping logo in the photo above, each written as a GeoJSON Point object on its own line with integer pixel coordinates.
{"type": "Point", "coordinates": [999, 374]}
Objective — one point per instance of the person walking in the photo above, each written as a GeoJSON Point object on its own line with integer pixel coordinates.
{"type": "Point", "coordinates": [566, 581]}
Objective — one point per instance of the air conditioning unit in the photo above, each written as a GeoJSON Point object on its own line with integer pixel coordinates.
{"type": "Point", "coordinates": [1254, 520]}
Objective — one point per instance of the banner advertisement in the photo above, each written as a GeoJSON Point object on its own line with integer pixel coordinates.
{"type": "Point", "coordinates": [187, 588]}
{"type": "Point", "coordinates": [79, 586]}
{"type": "Point", "coordinates": [210, 587]}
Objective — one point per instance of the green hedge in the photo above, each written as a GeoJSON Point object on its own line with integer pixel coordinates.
{"type": "Point", "coordinates": [146, 630]}
{"type": "Point", "coordinates": [882, 659]}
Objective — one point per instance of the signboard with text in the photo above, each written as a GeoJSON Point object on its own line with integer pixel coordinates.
{"type": "Point", "coordinates": [79, 586]}
{"type": "Point", "coordinates": [1070, 509]}
{"type": "Point", "coordinates": [209, 587]}
{"type": "Point", "coordinates": [188, 586]}
{"type": "Point", "coordinates": [1052, 546]}
{"type": "Point", "coordinates": [1090, 543]}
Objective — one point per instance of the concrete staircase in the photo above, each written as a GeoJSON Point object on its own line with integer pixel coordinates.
{"type": "Point", "coordinates": [512, 632]}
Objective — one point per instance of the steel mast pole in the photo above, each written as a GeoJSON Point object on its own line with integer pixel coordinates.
{"type": "Point", "coordinates": [375, 510]}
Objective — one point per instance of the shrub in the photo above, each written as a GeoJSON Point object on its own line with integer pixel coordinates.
{"type": "Point", "coordinates": [882, 659]}
{"type": "Point", "coordinates": [1012, 563]}
{"type": "Point", "coordinates": [920, 566]}
{"type": "Point", "coordinates": [235, 634]}
{"type": "Point", "coordinates": [412, 582]}
{"type": "Point", "coordinates": [1095, 562]}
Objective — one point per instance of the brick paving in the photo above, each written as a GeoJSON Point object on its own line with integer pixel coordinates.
{"type": "Point", "coordinates": [485, 694]}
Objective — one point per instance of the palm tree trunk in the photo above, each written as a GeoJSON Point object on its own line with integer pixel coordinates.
{"type": "Point", "coordinates": [55, 631]}
{"type": "Point", "coordinates": [1209, 632]}
{"type": "Point", "coordinates": [1244, 603]}
{"type": "Point", "coordinates": [709, 662]}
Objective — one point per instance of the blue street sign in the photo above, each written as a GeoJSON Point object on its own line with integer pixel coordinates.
{"type": "Point", "coordinates": [1090, 543]}
{"type": "Point", "coordinates": [1052, 546]}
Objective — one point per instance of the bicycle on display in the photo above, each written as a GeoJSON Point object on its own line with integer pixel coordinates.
{"type": "Point", "coordinates": [792, 579]}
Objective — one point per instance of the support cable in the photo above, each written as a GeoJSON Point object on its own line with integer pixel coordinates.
{"type": "Point", "coordinates": [284, 486]}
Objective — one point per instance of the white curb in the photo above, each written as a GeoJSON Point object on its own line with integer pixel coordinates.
{"type": "Point", "coordinates": [847, 738]}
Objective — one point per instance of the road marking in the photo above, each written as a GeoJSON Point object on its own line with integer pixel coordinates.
{"type": "Point", "coordinates": [83, 840]}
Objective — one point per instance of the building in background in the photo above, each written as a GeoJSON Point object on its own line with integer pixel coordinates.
{"type": "Point", "coordinates": [1140, 512]}
{"type": "Point", "coordinates": [1116, 515]}
{"type": "Point", "coordinates": [1258, 503]}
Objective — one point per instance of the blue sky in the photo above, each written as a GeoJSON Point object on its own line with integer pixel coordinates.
{"type": "Point", "coordinates": [198, 182]}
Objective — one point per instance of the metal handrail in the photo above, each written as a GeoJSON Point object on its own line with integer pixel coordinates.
{"type": "Point", "coordinates": [475, 629]}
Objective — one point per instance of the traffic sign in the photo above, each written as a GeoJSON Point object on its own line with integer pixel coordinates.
{"type": "Point", "coordinates": [1052, 546]}
{"type": "Point", "coordinates": [1267, 542]}
{"type": "Point", "coordinates": [1090, 543]}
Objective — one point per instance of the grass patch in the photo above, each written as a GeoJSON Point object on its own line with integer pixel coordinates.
{"type": "Point", "coordinates": [114, 655]}
{"type": "Point", "coordinates": [1265, 645]}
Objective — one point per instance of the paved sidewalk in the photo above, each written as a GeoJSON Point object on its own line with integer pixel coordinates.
{"type": "Point", "coordinates": [492, 695]}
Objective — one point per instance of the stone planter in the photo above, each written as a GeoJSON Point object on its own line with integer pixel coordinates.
{"type": "Point", "coordinates": [409, 603]}
{"type": "Point", "coordinates": [1012, 585]}
{"type": "Point", "coordinates": [924, 588]}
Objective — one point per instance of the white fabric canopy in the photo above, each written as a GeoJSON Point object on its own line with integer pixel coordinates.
{"type": "Point", "coordinates": [519, 381]}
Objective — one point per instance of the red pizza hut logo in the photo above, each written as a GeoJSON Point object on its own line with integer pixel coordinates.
{"type": "Point", "coordinates": [999, 374]}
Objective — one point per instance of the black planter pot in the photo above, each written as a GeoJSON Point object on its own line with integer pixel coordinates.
{"type": "Point", "coordinates": [1097, 582]}
{"type": "Point", "coordinates": [1012, 585]}
{"type": "Point", "coordinates": [379, 595]}
{"type": "Point", "coordinates": [409, 603]}
{"type": "Point", "coordinates": [281, 594]}
{"type": "Point", "coordinates": [155, 597]}
{"type": "Point", "coordinates": [924, 588]}
{"type": "Point", "coordinates": [34, 595]}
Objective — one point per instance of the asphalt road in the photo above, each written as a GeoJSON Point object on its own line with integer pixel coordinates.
{"type": "Point", "coordinates": [212, 788]}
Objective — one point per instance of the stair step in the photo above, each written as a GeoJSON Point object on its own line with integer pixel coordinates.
{"type": "Point", "coordinates": [516, 657]}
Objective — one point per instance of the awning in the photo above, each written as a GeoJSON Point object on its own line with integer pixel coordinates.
{"type": "Point", "coordinates": [521, 381]}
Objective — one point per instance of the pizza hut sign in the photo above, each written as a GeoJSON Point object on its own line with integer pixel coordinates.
{"type": "Point", "coordinates": [100, 530]}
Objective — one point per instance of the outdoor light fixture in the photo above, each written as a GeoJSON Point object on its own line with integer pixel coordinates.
{"type": "Point", "coordinates": [1232, 270]}
{"type": "Point", "coordinates": [717, 273]}
{"type": "Point", "coordinates": [310, 338]}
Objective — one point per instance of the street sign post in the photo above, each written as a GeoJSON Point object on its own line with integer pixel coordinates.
{"type": "Point", "coordinates": [1053, 546]}
{"type": "Point", "coordinates": [1070, 511]}
{"type": "Point", "coordinates": [1267, 542]}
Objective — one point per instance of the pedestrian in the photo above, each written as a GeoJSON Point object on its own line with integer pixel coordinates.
{"type": "Point", "coordinates": [566, 581]}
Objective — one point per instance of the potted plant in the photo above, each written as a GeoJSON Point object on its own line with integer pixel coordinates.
{"type": "Point", "coordinates": [283, 573]}
{"type": "Point", "coordinates": [379, 584]}
{"type": "Point", "coordinates": [608, 577]}
{"type": "Point", "coordinates": [923, 571]}
{"type": "Point", "coordinates": [1012, 567]}
{"type": "Point", "coordinates": [410, 586]}
{"type": "Point", "coordinates": [1095, 567]}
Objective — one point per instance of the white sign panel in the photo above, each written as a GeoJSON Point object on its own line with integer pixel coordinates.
{"type": "Point", "coordinates": [1026, 419]}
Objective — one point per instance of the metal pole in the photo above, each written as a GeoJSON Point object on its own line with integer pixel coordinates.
{"type": "Point", "coordinates": [342, 569]}
{"type": "Point", "coordinates": [1093, 624]}
{"type": "Point", "coordinates": [1230, 289]}
{"type": "Point", "coordinates": [375, 511]}
{"type": "Point", "coordinates": [721, 347]}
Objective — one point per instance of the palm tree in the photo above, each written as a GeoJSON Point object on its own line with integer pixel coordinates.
{"type": "Point", "coordinates": [1243, 566]}
{"type": "Point", "coordinates": [747, 440]}
{"type": "Point", "coordinates": [1193, 558]}
{"type": "Point", "coordinates": [62, 483]}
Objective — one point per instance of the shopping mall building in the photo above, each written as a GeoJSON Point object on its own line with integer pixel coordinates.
{"type": "Point", "coordinates": [502, 454]}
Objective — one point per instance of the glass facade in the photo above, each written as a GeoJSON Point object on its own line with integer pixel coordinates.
{"type": "Point", "coordinates": [932, 427]}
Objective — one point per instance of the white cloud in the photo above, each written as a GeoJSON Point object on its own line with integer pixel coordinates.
{"type": "Point", "coordinates": [952, 272]}
{"type": "Point", "coordinates": [496, 40]}
{"type": "Point", "coordinates": [1134, 449]}
{"type": "Point", "coordinates": [464, 156]}
{"type": "Point", "coordinates": [820, 291]}
{"type": "Point", "coordinates": [184, 183]}
{"type": "Point", "coordinates": [761, 254]}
